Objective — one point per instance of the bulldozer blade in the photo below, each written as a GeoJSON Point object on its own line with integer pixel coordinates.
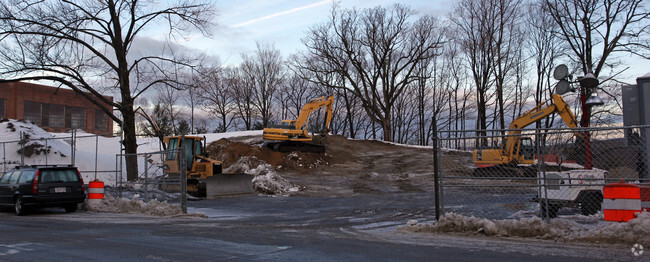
{"type": "Point", "coordinates": [229, 184]}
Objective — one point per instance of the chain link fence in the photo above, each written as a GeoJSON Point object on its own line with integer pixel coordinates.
{"type": "Point", "coordinates": [95, 157]}
{"type": "Point", "coordinates": [542, 172]}
{"type": "Point", "coordinates": [152, 181]}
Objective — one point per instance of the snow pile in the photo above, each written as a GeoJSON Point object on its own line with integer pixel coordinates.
{"type": "Point", "coordinates": [266, 180]}
{"type": "Point", "coordinates": [36, 148]}
{"type": "Point", "coordinates": [634, 231]}
{"type": "Point", "coordinates": [134, 205]}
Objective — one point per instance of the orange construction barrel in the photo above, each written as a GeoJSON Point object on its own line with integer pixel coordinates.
{"type": "Point", "coordinates": [95, 190]}
{"type": "Point", "coordinates": [645, 198]}
{"type": "Point", "coordinates": [621, 202]}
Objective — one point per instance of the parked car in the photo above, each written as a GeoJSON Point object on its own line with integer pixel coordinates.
{"type": "Point", "coordinates": [42, 186]}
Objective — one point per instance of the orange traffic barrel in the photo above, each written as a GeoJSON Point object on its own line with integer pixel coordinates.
{"type": "Point", "coordinates": [621, 202]}
{"type": "Point", "coordinates": [96, 190]}
{"type": "Point", "coordinates": [645, 198]}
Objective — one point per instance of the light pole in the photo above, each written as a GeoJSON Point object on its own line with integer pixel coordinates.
{"type": "Point", "coordinates": [588, 85]}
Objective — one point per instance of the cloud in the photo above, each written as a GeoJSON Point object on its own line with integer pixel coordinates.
{"type": "Point", "coordinates": [290, 11]}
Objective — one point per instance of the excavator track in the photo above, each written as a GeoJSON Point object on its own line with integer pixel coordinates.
{"type": "Point", "coordinates": [505, 171]}
{"type": "Point", "coordinates": [290, 146]}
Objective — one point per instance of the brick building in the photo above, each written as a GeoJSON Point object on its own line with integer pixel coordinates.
{"type": "Point", "coordinates": [55, 110]}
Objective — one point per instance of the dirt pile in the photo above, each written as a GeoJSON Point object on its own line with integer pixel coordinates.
{"type": "Point", "coordinates": [229, 152]}
{"type": "Point", "coordinates": [349, 166]}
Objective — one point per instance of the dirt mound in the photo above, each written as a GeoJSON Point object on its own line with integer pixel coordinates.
{"type": "Point", "coordinates": [349, 166]}
{"type": "Point", "coordinates": [229, 152]}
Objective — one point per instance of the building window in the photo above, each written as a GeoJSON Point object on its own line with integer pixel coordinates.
{"type": "Point", "coordinates": [3, 109]}
{"type": "Point", "coordinates": [56, 116]}
{"type": "Point", "coordinates": [33, 112]}
{"type": "Point", "coordinates": [75, 117]}
{"type": "Point", "coordinates": [101, 120]}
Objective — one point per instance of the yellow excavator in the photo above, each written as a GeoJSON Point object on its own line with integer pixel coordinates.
{"type": "Point", "coordinates": [518, 149]}
{"type": "Point", "coordinates": [292, 135]}
{"type": "Point", "coordinates": [204, 175]}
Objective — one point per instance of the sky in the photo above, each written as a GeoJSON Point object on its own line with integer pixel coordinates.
{"type": "Point", "coordinates": [240, 24]}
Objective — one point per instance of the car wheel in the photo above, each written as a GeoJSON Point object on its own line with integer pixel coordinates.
{"type": "Point", "coordinates": [18, 206]}
{"type": "Point", "coordinates": [590, 206]}
{"type": "Point", "coordinates": [71, 208]}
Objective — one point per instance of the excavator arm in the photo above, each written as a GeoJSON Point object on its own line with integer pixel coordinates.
{"type": "Point", "coordinates": [311, 106]}
{"type": "Point", "coordinates": [536, 114]}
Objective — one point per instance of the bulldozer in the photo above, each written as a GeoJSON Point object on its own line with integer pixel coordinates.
{"type": "Point", "coordinates": [517, 149]}
{"type": "Point", "coordinates": [292, 135]}
{"type": "Point", "coordinates": [205, 177]}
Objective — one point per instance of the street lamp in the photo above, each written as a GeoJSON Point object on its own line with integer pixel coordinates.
{"type": "Point", "coordinates": [588, 85]}
{"type": "Point", "coordinates": [590, 82]}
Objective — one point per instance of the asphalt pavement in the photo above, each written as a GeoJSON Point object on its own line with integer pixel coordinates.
{"type": "Point", "coordinates": [263, 228]}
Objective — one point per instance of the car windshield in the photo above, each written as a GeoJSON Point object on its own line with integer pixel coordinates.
{"type": "Point", "coordinates": [59, 175]}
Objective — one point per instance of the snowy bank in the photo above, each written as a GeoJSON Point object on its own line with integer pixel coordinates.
{"type": "Point", "coordinates": [635, 231]}
{"type": "Point", "coordinates": [135, 206]}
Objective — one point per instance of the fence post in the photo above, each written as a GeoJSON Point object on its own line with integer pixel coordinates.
{"type": "Point", "coordinates": [96, 151]}
{"type": "Point", "coordinates": [4, 158]}
{"type": "Point", "coordinates": [72, 146]}
{"type": "Point", "coordinates": [183, 179]}
{"type": "Point", "coordinates": [541, 169]}
{"type": "Point", "coordinates": [22, 149]}
{"type": "Point", "coordinates": [118, 172]}
{"type": "Point", "coordinates": [436, 170]}
{"type": "Point", "coordinates": [146, 177]}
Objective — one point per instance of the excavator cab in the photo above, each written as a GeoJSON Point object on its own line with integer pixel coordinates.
{"type": "Point", "coordinates": [526, 151]}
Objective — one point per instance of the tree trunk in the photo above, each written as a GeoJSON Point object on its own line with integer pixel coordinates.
{"type": "Point", "coordinates": [130, 143]}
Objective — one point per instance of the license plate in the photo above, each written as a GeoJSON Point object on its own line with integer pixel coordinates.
{"type": "Point", "coordinates": [60, 190]}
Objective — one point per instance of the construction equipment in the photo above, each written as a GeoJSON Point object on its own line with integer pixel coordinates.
{"type": "Point", "coordinates": [517, 149]}
{"type": "Point", "coordinates": [292, 135]}
{"type": "Point", "coordinates": [204, 174]}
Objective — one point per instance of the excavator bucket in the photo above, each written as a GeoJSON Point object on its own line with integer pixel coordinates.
{"type": "Point", "coordinates": [228, 184]}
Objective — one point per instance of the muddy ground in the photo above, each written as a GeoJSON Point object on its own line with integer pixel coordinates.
{"type": "Point", "coordinates": [348, 167]}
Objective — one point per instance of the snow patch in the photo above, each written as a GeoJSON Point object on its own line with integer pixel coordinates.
{"type": "Point", "coordinates": [134, 205]}
{"type": "Point", "coordinates": [266, 180]}
{"type": "Point", "coordinates": [631, 232]}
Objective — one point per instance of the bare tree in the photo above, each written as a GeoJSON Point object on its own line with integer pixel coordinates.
{"type": "Point", "coordinates": [544, 51]}
{"type": "Point", "coordinates": [192, 100]}
{"type": "Point", "coordinates": [167, 98]}
{"type": "Point", "coordinates": [86, 45]}
{"type": "Point", "coordinates": [475, 23]}
{"type": "Point", "coordinates": [216, 96]}
{"type": "Point", "coordinates": [264, 73]}
{"type": "Point", "coordinates": [507, 43]}
{"type": "Point", "coordinates": [375, 51]}
{"type": "Point", "coordinates": [243, 95]}
{"type": "Point", "coordinates": [596, 30]}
